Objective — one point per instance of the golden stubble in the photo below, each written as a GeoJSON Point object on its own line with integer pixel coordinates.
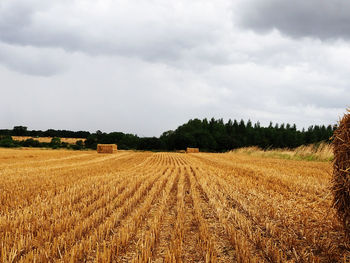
{"type": "Point", "coordinates": [79, 206]}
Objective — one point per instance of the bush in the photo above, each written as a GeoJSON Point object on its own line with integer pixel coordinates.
{"type": "Point", "coordinates": [31, 143]}
{"type": "Point", "coordinates": [6, 141]}
{"type": "Point", "coordinates": [55, 143]}
{"type": "Point", "coordinates": [78, 145]}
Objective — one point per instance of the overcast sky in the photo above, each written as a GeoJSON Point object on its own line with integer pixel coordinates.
{"type": "Point", "coordinates": [147, 66]}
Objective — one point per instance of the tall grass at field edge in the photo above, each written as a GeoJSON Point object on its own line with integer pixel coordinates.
{"type": "Point", "coordinates": [313, 152]}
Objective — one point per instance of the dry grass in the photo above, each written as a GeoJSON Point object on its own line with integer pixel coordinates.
{"type": "Point", "coordinates": [46, 139]}
{"type": "Point", "coordinates": [313, 152]}
{"type": "Point", "coordinates": [67, 206]}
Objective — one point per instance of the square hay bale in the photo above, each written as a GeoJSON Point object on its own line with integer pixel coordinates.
{"type": "Point", "coordinates": [341, 172]}
{"type": "Point", "coordinates": [192, 150]}
{"type": "Point", "coordinates": [107, 148]}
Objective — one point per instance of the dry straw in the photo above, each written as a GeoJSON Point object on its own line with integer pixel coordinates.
{"type": "Point", "coordinates": [341, 171]}
{"type": "Point", "coordinates": [192, 150]}
{"type": "Point", "coordinates": [107, 148]}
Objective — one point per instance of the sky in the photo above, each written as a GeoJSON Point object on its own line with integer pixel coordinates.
{"type": "Point", "coordinates": [148, 66]}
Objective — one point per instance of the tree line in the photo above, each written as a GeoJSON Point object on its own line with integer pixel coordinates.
{"type": "Point", "coordinates": [212, 135]}
{"type": "Point", "coordinates": [55, 143]}
{"type": "Point", "coordinates": [23, 131]}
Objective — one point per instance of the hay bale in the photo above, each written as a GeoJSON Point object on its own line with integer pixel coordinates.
{"type": "Point", "coordinates": [341, 172]}
{"type": "Point", "coordinates": [107, 148]}
{"type": "Point", "coordinates": [192, 150]}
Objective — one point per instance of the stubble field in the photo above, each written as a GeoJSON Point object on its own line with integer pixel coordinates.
{"type": "Point", "coordinates": [80, 206]}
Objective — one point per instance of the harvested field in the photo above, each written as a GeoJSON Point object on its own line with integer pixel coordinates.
{"type": "Point", "coordinates": [47, 139]}
{"type": "Point", "coordinates": [71, 206]}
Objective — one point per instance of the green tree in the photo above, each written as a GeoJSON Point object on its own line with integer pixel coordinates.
{"type": "Point", "coordinates": [19, 130]}
{"type": "Point", "coordinates": [55, 143]}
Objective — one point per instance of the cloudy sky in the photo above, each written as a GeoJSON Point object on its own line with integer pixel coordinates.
{"type": "Point", "coordinates": [147, 66]}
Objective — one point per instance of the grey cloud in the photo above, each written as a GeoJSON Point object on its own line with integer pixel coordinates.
{"type": "Point", "coordinates": [148, 66]}
{"type": "Point", "coordinates": [16, 16]}
{"type": "Point", "coordinates": [320, 19]}
{"type": "Point", "coordinates": [125, 94]}
{"type": "Point", "coordinates": [32, 61]}
{"type": "Point", "coordinates": [148, 30]}
{"type": "Point", "coordinates": [263, 88]}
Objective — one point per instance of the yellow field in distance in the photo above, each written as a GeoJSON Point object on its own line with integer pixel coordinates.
{"type": "Point", "coordinates": [79, 206]}
{"type": "Point", "coordinates": [46, 139]}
